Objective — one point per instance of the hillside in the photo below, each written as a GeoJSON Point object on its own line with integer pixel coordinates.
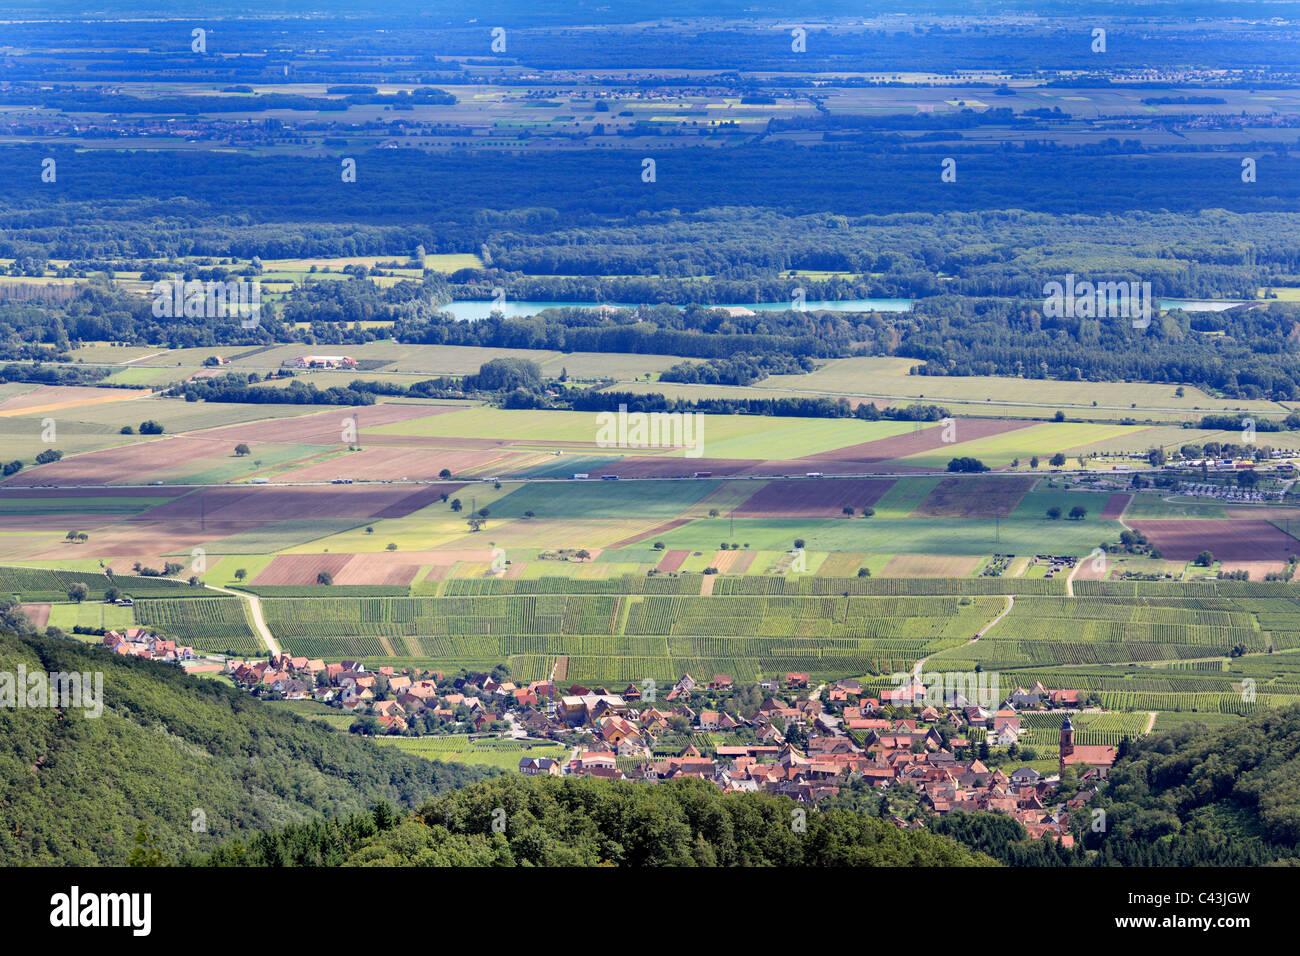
{"type": "Point", "coordinates": [77, 789]}
{"type": "Point", "coordinates": [548, 821]}
{"type": "Point", "coordinates": [1196, 796]}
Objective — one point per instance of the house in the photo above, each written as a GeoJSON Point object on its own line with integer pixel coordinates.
{"type": "Point", "coordinates": [540, 766]}
{"type": "Point", "coordinates": [720, 682]}
{"type": "Point", "coordinates": [1006, 718]}
{"type": "Point", "coordinates": [793, 679]}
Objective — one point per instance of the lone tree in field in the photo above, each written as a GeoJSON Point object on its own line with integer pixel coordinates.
{"type": "Point", "coordinates": [112, 595]}
{"type": "Point", "coordinates": [864, 572]}
{"type": "Point", "coordinates": [868, 512]}
{"type": "Point", "coordinates": [1053, 512]}
{"type": "Point", "coordinates": [1078, 513]}
{"type": "Point", "coordinates": [583, 554]}
{"type": "Point", "coordinates": [970, 465]}
{"type": "Point", "coordinates": [444, 474]}
{"type": "Point", "coordinates": [848, 512]}
{"type": "Point", "coordinates": [1204, 559]}
{"type": "Point", "coordinates": [370, 529]}
{"type": "Point", "coordinates": [713, 512]}
{"type": "Point", "coordinates": [1058, 460]}
{"type": "Point", "coordinates": [1033, 462]}
{"type": "Point", "coordinates": [241, 450]}
{"type": "Point", "coordinates": [529, 514]}
{"type": "Point", "coordinates": [78, 592]}
{"type": "Point", "coordinates": [391, 546]}
{"type": "Point", "coordinates": [475, 523]}
{"type": "Point", "coordinates": [241, 574]}
{"type": "Point", "coordinates": [798, 544]}
{"type": "Point", "coordinates": [325, 578]}
{"type": "Point", "coordinates": [455, 504]}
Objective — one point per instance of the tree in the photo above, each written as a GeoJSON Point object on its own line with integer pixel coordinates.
{"type": "Point", "coordinates": [868, 512]}
{"type": "Point", "coordinates": [1204, 559]}
{"type": "Point", "coordinates": [325, 578]}
{"type": "Point", "coordinates": [967, 465]}
{"type": "Point", "coordinates": [798, 544]}
{"type": "Point", "coordinates": [713, 512]}
{"type": "Point", "coordinates": [241, 450]}
{"type": "Point", "coordinates": [391, 546]}
{"type": "Point", "coordinates": [1033, 462]}
{"type": "Point", "coordinates": [528, 514]}
{"type": "Point", "coordinates": [583, 554]}
{"type": "Point", "coordinates": [659, 546]}
{"type": "Point", "coordinates": [1156, 456]}
{"type": "Point", "coordinates": [455, 504]}
{"type": "Point", "coordinates": [848, 512]}
{"type": "Point", "coordinates": [370, 529]}
{"type": "Point", "coordinates": [1053, 513]}
{"type": "Point", "coordinates": [1057, 460]}
{"type": "Point", "coordinates": [1078, 513]}
{"type": "Point", "coordinates": [13, 467]}
{"type": "Point", "coordinates": [127, 430]}
{"type": "Point", "coordinates": [78, 592]}
{"type": "Point", "coordinates": [475, 523]}
{"type": "Point", "coordinates": [1059, 416]}
{"type": "Point", "coordinates": [112, 595]}
{"type": "Point", "coordinates": [240, 574]}
{"type": "Point", "coordinates": [151, 427]}
{"type": "Point", "coordinates": [49, 455]}
{"type": "Point", "coordinates": [444, 474]}
{"type": "Point", "coordinates": [864, 572]}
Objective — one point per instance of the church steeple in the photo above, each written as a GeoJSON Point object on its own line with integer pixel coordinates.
{"type": "Point", "coordinates": [1067, 740]}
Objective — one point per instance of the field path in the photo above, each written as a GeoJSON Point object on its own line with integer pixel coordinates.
{"type": "Point", "coordinates": [259, 622]}
{"type": "Point", "coordinates": [1151, 722]}
{"type": "Point", "coordinates": [1011, 602]}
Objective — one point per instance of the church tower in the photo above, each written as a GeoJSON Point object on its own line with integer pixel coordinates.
{"type": "Point", "coordinates": [1067, 740]}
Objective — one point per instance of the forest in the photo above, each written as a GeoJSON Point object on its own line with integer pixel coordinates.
{"type": "Point", "coordinates": [88, 791]}
{"type": "Point", "coordinates": [546, 821]}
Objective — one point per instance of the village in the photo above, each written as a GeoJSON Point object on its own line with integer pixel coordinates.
{"type": "Point", "coordinates": [784, 736]}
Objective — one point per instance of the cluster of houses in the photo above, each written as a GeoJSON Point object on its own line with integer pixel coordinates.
{"type": "Point", "coordinates": [320, 361]}
{"type": "Point", "coordinates": [393, 697]}
{"type": "Point", "coordinates": [138, 642]}
{"type": "Point", "coordinates": [844, 737]}
{"type": "Point", "coordinates": [801, 743]}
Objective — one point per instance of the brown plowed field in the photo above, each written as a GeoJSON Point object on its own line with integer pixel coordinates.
{"type": "Point", "coordinates": [974, 497]}
{"type": "Point", "coordinates": [1229, 540]}
{"type": "Point", "coordinates": [1115, 505]}
{"type": "Point", "coordinates": [929, 566]}
{"type": "Point", "coordinates": [928, 439]}
{"type": "Point", "coordinates": [38, 614]}
{"type": "Point", "coordinates": [644, 535]}
{"type": "Point", "coordinates": [127, 463]}
{"type": "Point", "coordinates": [302, 568]}
{"type": "Point", "coordinates": [382, 568]}
{"type": "Point", "coordinates": [810, 498]}
{"type": "Point", "coordinates": [247, 507]}
{"type": "Point", "coordinates": [673, 560]}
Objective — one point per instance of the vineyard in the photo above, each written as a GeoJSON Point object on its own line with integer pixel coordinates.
{"type": "Point", "coordinates": [40, 585]}
{"type": "Point", "coordinates": [211, 624]}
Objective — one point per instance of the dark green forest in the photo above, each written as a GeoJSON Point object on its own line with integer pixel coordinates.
{"type": "Point", "coordinates": [546, 821]}
{"type": "Point", "coordinates": [83, 790]}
